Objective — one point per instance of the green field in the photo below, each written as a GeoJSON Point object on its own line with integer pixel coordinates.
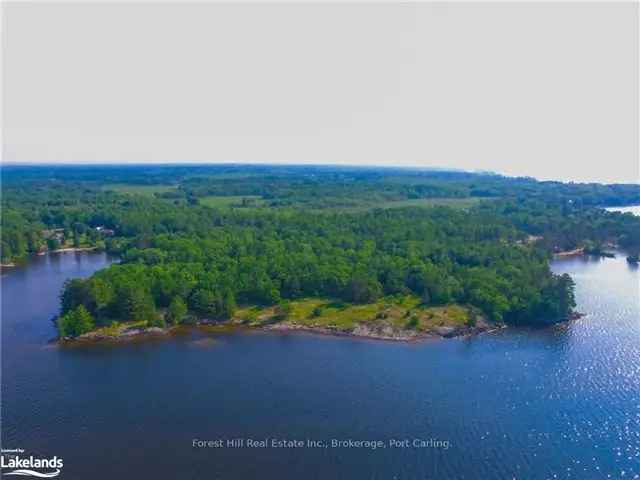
{"type": "Point", "coordinates": [461, 203]}
{"type": "Point", "coordinates": [230, 201]}
{"type": "Point", "coordinates": [457, 203]}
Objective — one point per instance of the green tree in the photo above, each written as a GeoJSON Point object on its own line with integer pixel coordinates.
{"type": "Point", "coordinates": [177, 310]}
{"type": "Point", "coordinates": [136, 304]}
{"type": "Point", "coordinates": [204, 301]}
{"type": "Point", "coordinates": [100, 292]}
{"type": "Point", "coordinates": [75, 322]}
{"type": "Point", "coordinates": [363, 289]}
{"type": "Point", "coordinates": [228, 306]}
{"type": "Point", "coordinates": [53, 244]}
{"type": "Point", "coordinates": [282, 310]}
{"type": "Point", "coordinates": [73, 294]}
{"type": "Point", "coordinates": [156, 320]}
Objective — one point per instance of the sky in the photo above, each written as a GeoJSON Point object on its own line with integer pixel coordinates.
{"type": "Point", "coordinates": [548, 90]}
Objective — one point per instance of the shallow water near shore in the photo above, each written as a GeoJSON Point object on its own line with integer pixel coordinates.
{"type": "Point", "coordinates": [523, 403]}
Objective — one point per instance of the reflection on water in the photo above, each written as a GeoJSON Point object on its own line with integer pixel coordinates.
{"type": "Point", "coordinates": [203, 342]}
{"type": "Point", "coordinates": [524, 403]}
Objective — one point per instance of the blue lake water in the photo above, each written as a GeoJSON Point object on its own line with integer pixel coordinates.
{"type": "Point", "coordinates": [560, 402]}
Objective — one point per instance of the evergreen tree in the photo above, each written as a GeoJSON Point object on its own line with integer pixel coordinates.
{"type": "Point", "coordinates": [177, 310]}
{"type": "Point", "coordinates": [75, 322]}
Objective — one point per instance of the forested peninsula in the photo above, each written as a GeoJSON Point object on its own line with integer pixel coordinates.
{"type": "Point", "coordinates": [378, 252]}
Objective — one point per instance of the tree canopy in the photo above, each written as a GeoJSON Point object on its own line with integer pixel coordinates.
{"type": "Point", "coordinates": [203, 240]}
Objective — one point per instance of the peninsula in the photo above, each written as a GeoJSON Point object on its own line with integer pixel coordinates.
{"type": "Point", "coordinates": [378, 252]}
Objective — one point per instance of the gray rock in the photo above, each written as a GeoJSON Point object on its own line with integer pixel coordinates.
{"type": "Point", "coordinates": [446, 331]}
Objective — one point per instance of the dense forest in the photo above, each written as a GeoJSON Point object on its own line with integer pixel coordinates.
{"type": "Point", "coordinates": [205, 240]}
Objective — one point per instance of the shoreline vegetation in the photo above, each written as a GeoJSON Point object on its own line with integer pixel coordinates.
{"type": "Point", "coordinates": [400, 253]}
{"type": "Point", "coordinates": [593, 251]}
{"type": "Point", "coordinates": [68, 249]}
{"type": "Point", "coordinates": [130, 332]}
{"type": "Point", "coordinates": [400, 320]}
{"type": "Point", "coordinates": [142, 333]}
{"type": "Point", "coordinates": [364, 331]}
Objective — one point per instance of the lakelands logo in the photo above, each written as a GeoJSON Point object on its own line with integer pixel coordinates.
{"type": "Point", "coordinates": [29, 466]}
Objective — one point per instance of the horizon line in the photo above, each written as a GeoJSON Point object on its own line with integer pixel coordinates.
{"type": "Point", "coordinates": [138, 163]}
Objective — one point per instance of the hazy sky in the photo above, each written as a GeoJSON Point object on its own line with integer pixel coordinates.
{"type": "Point", "coordinates": [545, 89]}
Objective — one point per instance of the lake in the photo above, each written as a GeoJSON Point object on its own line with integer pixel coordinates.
{"type": "Point", "coordinates": [635, 209]}
{"type": "Point", "coordinates": [559, 402]}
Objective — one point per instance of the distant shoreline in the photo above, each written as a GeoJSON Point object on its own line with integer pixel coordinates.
{"type": "Point", "coordinates": [68, 249]}
{"type": "Point", "coordinates": [25, 260]}
{"type": "Point", "coordinates": [569, 253]}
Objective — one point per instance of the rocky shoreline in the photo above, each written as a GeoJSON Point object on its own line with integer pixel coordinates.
{"type": "Point", "coordinates": [362, 330]}
{"type": "Point", "coordinates": [123, 336]}
{"type": "Point", "coordinates": [384, 333]}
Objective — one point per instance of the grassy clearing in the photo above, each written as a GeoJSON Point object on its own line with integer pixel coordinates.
{"type": "Point", "coordinates": [116, 328]}
{"type": "Point", "coordinates": [400, 312]}
{"type": "Point", "coordinates": [457, 203]}
{"type": "Point", "coordinates": [145, 190]}
{"type": "Point", "coordinates": [232, 201]}
{"type": "Point", "coordinates": [461, 203]}
{"type": "Point", "coordinates": [449, 315]}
